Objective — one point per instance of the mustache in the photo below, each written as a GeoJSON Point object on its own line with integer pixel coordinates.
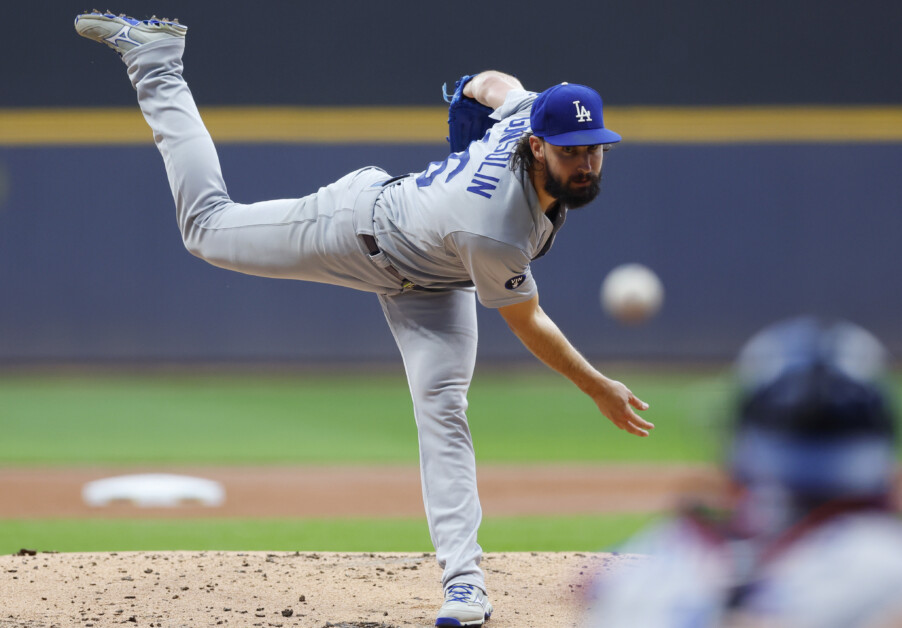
{"type": "Point", "coordinates": [587, 177]}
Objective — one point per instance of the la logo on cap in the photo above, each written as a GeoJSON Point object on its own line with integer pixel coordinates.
{"type": "Point", "coordinates": [570, 115]}
{"type": "Point", "coordinates": [582, 114]}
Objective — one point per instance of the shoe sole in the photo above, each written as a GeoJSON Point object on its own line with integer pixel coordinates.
{"type": "Point", "coordinates": [444, 622]}
{"type": "Point", "coordinates": [85, 21]}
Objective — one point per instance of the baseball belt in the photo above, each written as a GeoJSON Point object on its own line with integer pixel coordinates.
{"type": "Point", "coordinates": [374, 249]}
{"type": "Point", "coordinates": [370, 241]}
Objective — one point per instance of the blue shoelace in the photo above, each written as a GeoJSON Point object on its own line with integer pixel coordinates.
{"type": "Point", "coordinates": [460, 592]}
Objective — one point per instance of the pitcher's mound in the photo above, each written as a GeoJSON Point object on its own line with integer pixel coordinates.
{"type": "Point", "coordinates": [194, 589]}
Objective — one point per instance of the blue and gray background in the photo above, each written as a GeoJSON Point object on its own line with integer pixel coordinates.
{"type": "Point", "coordinates": [742, 228]}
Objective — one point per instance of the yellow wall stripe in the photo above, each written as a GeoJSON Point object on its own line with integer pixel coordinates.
{"type": "Point", "coordinates": [716, 125]}
{"type": "Point", "coordinates": [427, 125]}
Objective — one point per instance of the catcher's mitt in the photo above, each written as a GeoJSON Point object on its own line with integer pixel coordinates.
{"type": "Point", "coordinates": [468, 120]}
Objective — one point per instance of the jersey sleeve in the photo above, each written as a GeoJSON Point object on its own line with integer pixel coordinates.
{"type": "Point", "coordinates": [516, 101]}
{"type": "Point", "coordinates": [499, 271]}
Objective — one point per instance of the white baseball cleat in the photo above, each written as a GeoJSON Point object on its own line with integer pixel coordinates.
{"type": "Point", "coordinates": [123, 33]}
{"type": "Point", "coordinates": [465, 605]}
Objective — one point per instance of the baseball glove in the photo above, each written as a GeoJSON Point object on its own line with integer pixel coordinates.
{"type": "Point", "coordinates": [468, 120]}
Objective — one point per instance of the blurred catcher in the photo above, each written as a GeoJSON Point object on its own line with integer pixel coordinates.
{"type": "Point", "coordinates": [810, 538]}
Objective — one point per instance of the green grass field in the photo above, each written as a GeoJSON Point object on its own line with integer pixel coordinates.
{"type": "Point", "coordinates": [299, 418]}
{"type": "Point", "coordinates": [550, 534]}
{"type": "Point", "coordinates": [524, 416]}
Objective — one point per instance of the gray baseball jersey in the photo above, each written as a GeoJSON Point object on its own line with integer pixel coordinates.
{"type": "Point", "coordinates": [469, 217]}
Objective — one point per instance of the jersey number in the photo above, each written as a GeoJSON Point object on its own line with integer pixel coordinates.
{"type": "Point", "coordinates": [429, 175]}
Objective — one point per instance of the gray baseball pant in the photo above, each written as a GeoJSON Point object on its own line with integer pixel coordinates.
{"type": "Point", "coordinates": [315, 238]}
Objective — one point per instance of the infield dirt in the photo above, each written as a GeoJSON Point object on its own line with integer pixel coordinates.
{"type": "Point", "coordinates": [392, 491]}
{"type": "Point", "coordinates": [187, 589]}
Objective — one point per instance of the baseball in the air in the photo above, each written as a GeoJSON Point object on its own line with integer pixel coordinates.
{"type": "Point", "coordinates": [632, 293]}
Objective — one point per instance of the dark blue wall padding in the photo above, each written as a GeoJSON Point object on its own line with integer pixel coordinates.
{"type": "Point", "coordinates": [92, 266]}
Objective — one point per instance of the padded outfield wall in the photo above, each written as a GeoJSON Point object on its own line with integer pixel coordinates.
{"type": "Point", "coordinates": [747, 214]}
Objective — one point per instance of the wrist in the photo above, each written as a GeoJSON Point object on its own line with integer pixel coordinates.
{"type": "Point", "coordinates": [592, 382]}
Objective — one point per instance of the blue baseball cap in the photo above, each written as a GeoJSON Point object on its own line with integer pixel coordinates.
{"type": "Point", "coordinates": [570, 115]}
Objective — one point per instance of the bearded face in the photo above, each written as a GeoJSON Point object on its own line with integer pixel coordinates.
{"type": "Point", "coordinates": [576, 190]}
{"type": "Point", "coordinates": [572, 173]}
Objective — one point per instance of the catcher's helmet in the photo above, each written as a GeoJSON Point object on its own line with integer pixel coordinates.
{"type": "Point", "coordinates": [813, 418]}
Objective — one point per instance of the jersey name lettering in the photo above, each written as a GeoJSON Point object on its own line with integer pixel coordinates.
{"type": "Point", "coordinates": [483, 184]}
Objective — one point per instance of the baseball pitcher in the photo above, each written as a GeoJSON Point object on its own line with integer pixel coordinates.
{"type": "Point", "coordinates": [428, 244]}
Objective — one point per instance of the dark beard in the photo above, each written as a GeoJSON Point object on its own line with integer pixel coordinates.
{"type": "Point", "coordinates": [571, 198]}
